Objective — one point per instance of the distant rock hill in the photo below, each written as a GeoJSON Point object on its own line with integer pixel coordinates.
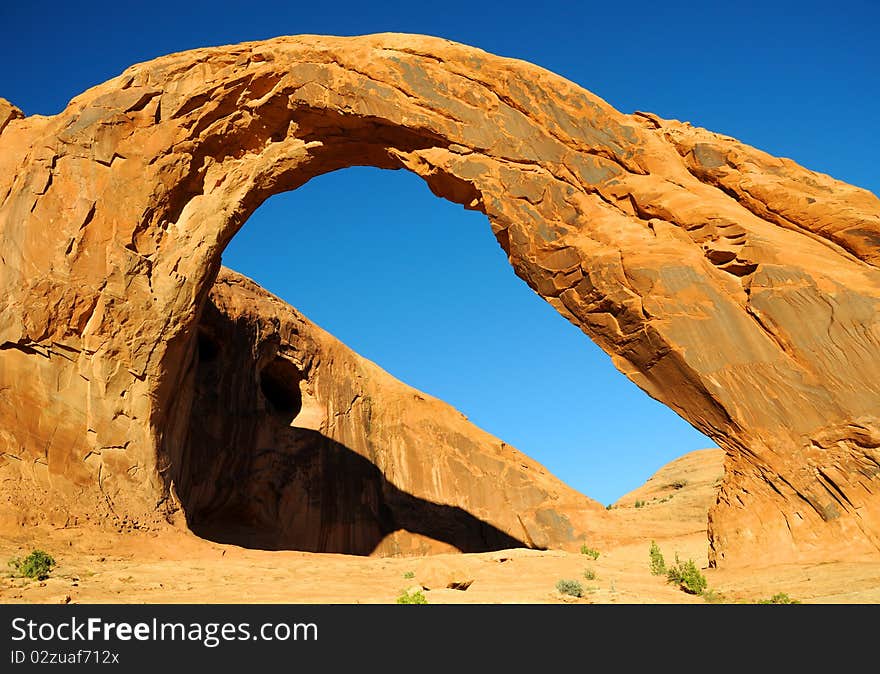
{"type": "Point", "coordinates": [677, 498]}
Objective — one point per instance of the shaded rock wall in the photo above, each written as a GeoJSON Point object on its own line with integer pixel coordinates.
{"type": "Point", "coordinates": [296, 442]}
{"type": "Point", "coordinates": [737, 288]}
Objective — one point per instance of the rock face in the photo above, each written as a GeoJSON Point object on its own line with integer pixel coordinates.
{"type": "Point", "coordinates": [740, 289]}
{"type": "Point", "coordinates": [296, 442]}
{"type": "Point", "coordinates": [677, 497]}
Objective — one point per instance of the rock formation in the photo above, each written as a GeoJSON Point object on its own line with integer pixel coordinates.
{"type": "Point", "coordinates": [674, 501]}
{"type": "Point", "coordinates": [740, 289]}
{"type": "Point", "coordinates": [298, 443]}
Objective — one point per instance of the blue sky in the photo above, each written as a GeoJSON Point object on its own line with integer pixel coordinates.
{"type": "Point", "coordinates": [419, 285]}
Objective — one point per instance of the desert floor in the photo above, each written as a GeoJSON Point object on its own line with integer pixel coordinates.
{"type": "Point", "coordinates": [174, 566]}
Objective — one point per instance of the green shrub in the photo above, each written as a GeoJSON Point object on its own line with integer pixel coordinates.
{"type": "Point", "coordinates": [37, 565]}
{"type": "Point", "coordinates": [639, 504]}
{"type": "Point", "coordinates": [687, 575]}
{"type": "Point", "coordinates": [589, 552]}
{"type": "Point", "coordinates": [779, 598]}
{"type": "Point", "coordinates": [589, 574]}
{"type": "Point", "coordinates": [713, 597]}
{"type": "Point", "coordinates": [609, 506]}
{"type": "Point", "coordinates": [570, 587]}
{"type": "Point", "coordinates": [416, 597]}
{"type": "Point", "coordinates": [658, 564]}
{"type": "Point", "coordinates": [409, 574]}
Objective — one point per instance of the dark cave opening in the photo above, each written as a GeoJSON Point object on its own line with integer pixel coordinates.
{"type": "Point", "coordinates": [279, 381]}
{"type": "Point", "coordinates": [207, 347]}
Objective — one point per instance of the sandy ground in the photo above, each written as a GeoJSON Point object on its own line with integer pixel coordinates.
{"type": "Point", "coordinates": [174, 566]}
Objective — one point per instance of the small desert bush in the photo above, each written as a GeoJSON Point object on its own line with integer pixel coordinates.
{"type": "Point", "coordinates": [589, 552]}
{"type": "Point", "coordinates": [658, 564]}
{"type": "Point", "coordinates": [639, 504]}
{"type": "Point", "coordinates": [570, 587]}
{"type": "Point", "coordinates": [713, 597]}
{"type": "Point", "coordinates": [36, 565]}
{"type": "Point", "coordinates": [589, 574]}
{"type": "Point", "coordinates": [779, 598]}
{"type": "Point", "coordinates": [409, 574]}
{"type": "Point", "coordinates": [415, 597]}
{"type": "Point", "coordinates": [687, 575]}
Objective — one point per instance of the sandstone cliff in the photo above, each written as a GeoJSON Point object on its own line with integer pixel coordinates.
{"type": "Point", "coordinates": [740, 289]}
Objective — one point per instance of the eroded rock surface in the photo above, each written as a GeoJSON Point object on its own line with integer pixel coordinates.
{"type": "Point", "coordinates": [740, 289]}
{"type": "Point", "coordinates": [296, 442]}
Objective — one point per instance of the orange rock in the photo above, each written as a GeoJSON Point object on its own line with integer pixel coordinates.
{"type": "Point", "coordinates": [739, 289]}
{"type": "Point", "coordinates": [296, 442]}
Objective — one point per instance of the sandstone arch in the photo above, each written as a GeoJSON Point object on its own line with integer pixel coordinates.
{"type": "Point", "coordinates": [739, 289]}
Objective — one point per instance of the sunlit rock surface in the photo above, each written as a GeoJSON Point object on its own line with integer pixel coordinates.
{"type": "Point", "coordinates": [740, 289]}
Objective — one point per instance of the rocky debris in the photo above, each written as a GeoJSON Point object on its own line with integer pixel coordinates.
{"type": "Point", "coordinates": [739, 289]}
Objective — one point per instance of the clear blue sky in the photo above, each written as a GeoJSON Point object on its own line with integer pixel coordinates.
{"type": "Point", "coordinates": [418, 284]}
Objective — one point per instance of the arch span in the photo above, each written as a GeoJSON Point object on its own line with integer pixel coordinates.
{"type": "Point", "coordinates": [739, 289]}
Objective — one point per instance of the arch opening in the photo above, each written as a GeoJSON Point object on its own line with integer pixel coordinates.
{"type": "Point", "coordinates": [285, 470]}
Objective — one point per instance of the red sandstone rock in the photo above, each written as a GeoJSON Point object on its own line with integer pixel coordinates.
{"type": "Point", "coordinates": [739, 289]}
{"type": "Point", "coordinates": [296, 442]}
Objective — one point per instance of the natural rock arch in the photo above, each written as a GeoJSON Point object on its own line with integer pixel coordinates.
{"type": "Point", "coordinates": [739, 289]}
